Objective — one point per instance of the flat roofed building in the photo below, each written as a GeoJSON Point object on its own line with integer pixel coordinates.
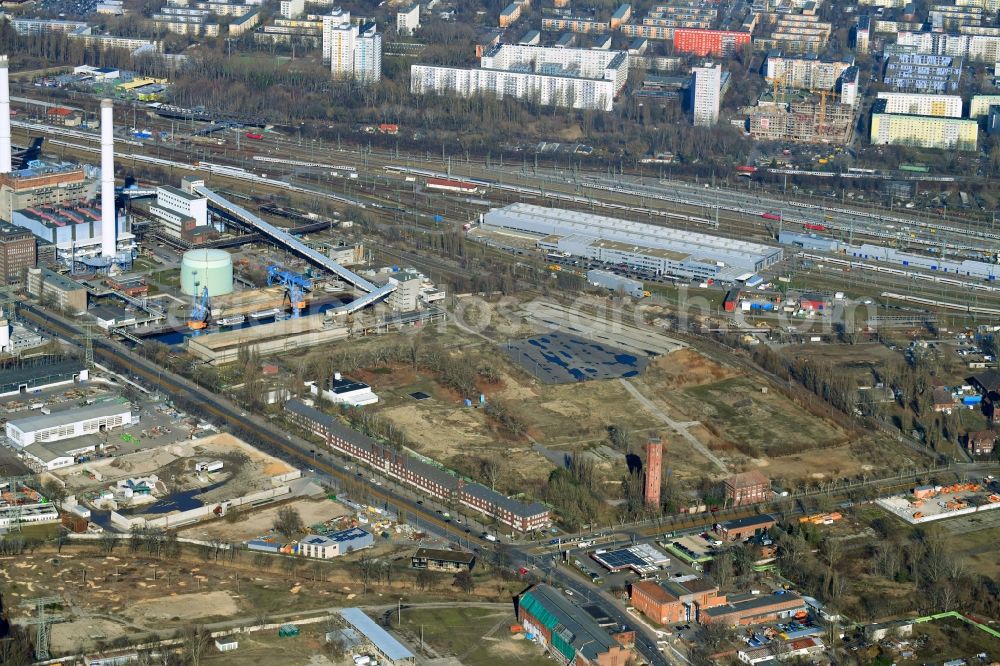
{"type": "Point", "coordinates": [18, 253]}
{"type": "Point", "coordinates": [408, 19]}
{"type": "Point", "coordinates": [43, 184]}
{"type": "Point", "coordinates": [68, 423]}
{"type": "Point", "coordinates": [918, 104]}
{"type": "Point", "coordinates": [916, 72]}
{"type": "Point", "coordinates": [575, 78]}
{"type": "Point", "coordinates": [49, 456]}
{"type": "Point", "coordinates": [745, 610]}
{"type": "Point", "coordinates": [808, 72]}
{"type": "Point", "coordinates": [611, 240]}
{"type": "Point", "coordinates": [896, 129]}
{"type": "Point", "coordinates": [40, 374]}
{"type": "Point", "coordinates": [449, 561]}
{"type": "Point", "coordinates": [63, 292]}
{"type": "Point", "coordinates": [335, 544]}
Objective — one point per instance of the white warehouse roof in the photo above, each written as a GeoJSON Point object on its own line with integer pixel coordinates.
{"type": "Point", "coordinates": [68, 416]}
{"type": "Point", "coordinates": [544, 221]}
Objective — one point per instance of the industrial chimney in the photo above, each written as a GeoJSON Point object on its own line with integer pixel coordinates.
{"type": "Point", "coordinates": [5, 165]}
{"type": "Point", "coordinates": [109, 232]}
{"type": "Point", "coordinates": [654, 471]}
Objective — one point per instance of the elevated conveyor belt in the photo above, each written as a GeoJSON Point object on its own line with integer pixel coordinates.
{"type": "Point", "coordinates": [373, 293]}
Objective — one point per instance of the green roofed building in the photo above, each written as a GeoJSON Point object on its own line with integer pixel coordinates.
{"type": "Point", "coordinates": [569, 634]}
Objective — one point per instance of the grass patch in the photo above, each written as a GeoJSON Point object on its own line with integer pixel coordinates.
{"type": "Point", "coordinates": [759, 422]}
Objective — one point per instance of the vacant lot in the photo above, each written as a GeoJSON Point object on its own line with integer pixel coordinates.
{"type": "Point", "coordinates": [260, 522]}
{"type": "Point", "coordinates": [950, 638]}
{"type": "Point", "coordinates": [192, 606]}
{"type": "Point", "coordinates": [759, 422]}
{"type": "Point", "coordinates": [474, 636]}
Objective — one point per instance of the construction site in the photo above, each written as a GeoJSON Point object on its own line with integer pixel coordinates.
{"type": "Point", "coordinates": [802, 120]}
{"type": "Point", "coordinates": [179, 484]}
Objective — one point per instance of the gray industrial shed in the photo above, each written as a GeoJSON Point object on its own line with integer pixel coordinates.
{"type": "Point", "coordinates": [389, 649]}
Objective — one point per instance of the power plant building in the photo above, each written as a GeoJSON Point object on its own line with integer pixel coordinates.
{"type": "Point", "coordinates": [575, 78]}
{"type": "Point", "coordinates": [674, 252]}
{"type": "Point", "coordinates": [18, 253]}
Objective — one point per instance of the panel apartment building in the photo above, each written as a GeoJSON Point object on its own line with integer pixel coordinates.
{"type": "Point", "coordinates": [575, 78]}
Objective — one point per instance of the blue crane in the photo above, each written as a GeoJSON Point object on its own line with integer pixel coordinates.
{"type": "Point", "coordinates": [200, 312]}
{"type": "Point", "coordinates": [295, 286]}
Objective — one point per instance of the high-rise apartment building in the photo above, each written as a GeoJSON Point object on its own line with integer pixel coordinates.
{"type": "Point", "coordinates": [354, 51]}
{"type": "Point", "coordinates": [706, 85]}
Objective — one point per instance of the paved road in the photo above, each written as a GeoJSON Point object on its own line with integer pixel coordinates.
{"type": "Point", "coordinates": [680, 427]}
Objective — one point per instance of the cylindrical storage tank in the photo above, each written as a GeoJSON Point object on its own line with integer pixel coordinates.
{"type": "Point", "coordinates": [207, 268]}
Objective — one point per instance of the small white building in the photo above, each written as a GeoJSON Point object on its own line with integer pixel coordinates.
{"type": "Point", "coordinates": [69, 423]}
{"type": "Point", "coordinates": [345, 391]}
{"type": "Point", "coordinates": [226, 643]}
{"type": "Point", "coordinates": [108, 316]}
{"type": "Point", "coordinates": [335, 544]}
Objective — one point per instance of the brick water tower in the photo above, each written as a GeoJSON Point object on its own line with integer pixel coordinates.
{"type": "Point", "coordinates": [654, 473]}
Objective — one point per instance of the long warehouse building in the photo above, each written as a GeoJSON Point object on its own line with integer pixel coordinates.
{"type": "Point", "coordinates": [663, 250]}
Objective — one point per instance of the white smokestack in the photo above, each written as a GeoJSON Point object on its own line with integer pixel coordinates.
{"type": "Point", "coordinates": [4, 116]}
{"type": "Point", "coordinates": [109, 233]}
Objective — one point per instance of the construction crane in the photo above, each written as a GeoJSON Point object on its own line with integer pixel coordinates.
{"type": "Point", "coordinates": [821, 124]}
{"type": "Point", "coordinates": [777, 85]}
{"type": "Point", "coordinates": [199, 312]}
{"type": "Point", "coordinates": [295, 285]}
{"type": "Point", "coordinates": [42, 621]}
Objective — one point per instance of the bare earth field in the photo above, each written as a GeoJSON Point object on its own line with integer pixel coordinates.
{"type": "Point", "coordinates": [106, 597]}
{"type": "Point", "coordinates": [191, 606]}
{"type": "Point", "coordinates": [719, 405]}
{"type": "Point", "coordinates": [259, 522]}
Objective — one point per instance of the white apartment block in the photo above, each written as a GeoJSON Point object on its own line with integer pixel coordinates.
{"type": "Point", "coordinates": [291, 9]}
{"type": "Point", "coordinates": [917, 104]}
{"type": "Point", "coordinates": [408, 20]}
{"type": "Point", "coordinates": [807, 73]}
{"type": "Point", "coordinates": [706, 86]}
{"type": "Point", "coordinates": [353, 51]}
{"type": "Point", "coordinates": [984, 46]}
{"type": "Point", "coordinates": [576, 78]}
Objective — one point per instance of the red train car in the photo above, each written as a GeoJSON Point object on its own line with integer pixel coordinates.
{"type": "Point", "coordinates": [254, 136]}
{"type": "Point", "coordinates": [814, 227]}
{"type": "Point", "coordinates": [771, 216]}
